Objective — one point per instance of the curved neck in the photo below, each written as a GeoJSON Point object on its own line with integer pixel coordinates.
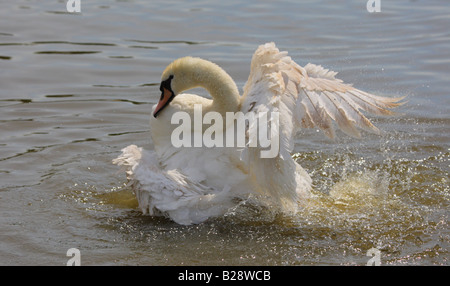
{"type": "Point", "coordinates": [225, 94]}
{"type": "Point", "coordinates": [216, 81]}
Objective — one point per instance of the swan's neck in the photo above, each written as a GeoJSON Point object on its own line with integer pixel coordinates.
{"type": "Point", "coordinates": [225, 94]}
{"type": "Point", "coordinates": [216, 81]}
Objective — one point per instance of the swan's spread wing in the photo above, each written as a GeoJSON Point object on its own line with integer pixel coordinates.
{"type": "Point", "coordinates": [305, 97]}
{"type": "Point", "coordinates": [323, 97]}
{"type": "Point", "coordinates": [170, 192]}
{"type": "Point", "coordinates": [309, 96]}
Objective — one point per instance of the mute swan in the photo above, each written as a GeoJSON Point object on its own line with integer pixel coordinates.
{"type": "Point", "coordinates": [189, 185]}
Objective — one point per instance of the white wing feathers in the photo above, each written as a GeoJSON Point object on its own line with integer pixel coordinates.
{"type": "Point", "coordinates": [168, 192]}
{"type": "Point", "coordinates": [324, 97]}
{"type": "Point", "coordinates": [305, 97]}
{"type": "Point", "coordinates": [309, 96]}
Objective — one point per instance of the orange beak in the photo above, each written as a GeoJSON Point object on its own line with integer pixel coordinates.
{"type": "Point", "coordinates": [166, 98]}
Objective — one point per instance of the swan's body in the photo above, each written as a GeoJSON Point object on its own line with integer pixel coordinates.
{"type": "Point", "coordinates": [192, 184]}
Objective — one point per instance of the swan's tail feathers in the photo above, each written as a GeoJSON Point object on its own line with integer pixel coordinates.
{"type": "Point", "coordinates": [169, 192]}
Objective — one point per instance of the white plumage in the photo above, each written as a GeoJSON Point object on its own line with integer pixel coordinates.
{"type": "Point", "coordinates": [189, 185]}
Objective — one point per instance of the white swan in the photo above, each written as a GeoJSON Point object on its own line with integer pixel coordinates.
{"type": "Point", "coordinates": [189, 185]}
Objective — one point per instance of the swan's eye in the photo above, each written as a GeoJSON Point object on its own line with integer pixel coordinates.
{"type": "Point", "coordinates": [166, 84]}
{"type": "Point", "coordinates": [167, 95]}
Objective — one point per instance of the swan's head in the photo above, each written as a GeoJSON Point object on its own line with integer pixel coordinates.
{"type": "Point", "coordinates": [189, 72]}
{"type": "Point", "coordinates": [182, 74]}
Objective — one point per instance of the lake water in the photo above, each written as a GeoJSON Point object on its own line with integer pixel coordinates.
{"type": "Point", "coordinates": [76, 88]}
